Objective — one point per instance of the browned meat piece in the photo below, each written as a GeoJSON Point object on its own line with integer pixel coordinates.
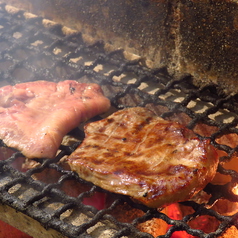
{"type": "Point", "coordinates": [136, 153]}
{"type": "Point", "coordinates": [36, 115]}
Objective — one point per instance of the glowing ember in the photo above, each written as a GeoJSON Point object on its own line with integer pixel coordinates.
{"type": "Point", "coordinates": [205, 223]}
{"type": "Point", "coordinates": [98, 200]}
{"type": "Point", "coordinates": [235, 189]}
{"type": "Point", "coordinates": [175, 213]}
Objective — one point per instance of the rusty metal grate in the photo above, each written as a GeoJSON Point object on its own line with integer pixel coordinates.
{"type": "Point", "coordinates": [32, 48]}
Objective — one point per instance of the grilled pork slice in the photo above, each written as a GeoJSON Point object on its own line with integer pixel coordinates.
{"type": "Point", "coordinates": [136, 153]}
{"type": "Point", "coordinates": [35, 116]}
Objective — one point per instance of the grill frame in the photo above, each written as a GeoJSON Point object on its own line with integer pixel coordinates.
{"type": "Point", "coordinates": [75, 47]}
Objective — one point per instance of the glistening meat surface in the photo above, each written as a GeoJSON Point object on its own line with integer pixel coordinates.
{"type": "Point", "coordinates": [35, 116]}
{"type": "Point", "coordinates": [136, 153]}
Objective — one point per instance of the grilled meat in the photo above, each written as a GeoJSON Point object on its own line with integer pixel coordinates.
{"type": "Point", "coordinates": [36, 115]}
{"type": "Point", "coordinates": [136, 153]}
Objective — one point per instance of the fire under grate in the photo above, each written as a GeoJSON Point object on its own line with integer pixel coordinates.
{"type": "Point", "coordinates": [32, 48]}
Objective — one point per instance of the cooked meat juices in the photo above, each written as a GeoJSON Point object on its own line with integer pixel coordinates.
{"type": "Point", "coordinates": [35, 116]}
{"type": "Point", "coordinates": [136, 153]}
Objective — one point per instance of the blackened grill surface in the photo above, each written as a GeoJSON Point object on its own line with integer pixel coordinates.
{"type": "Point", "coordinates": [30, 50]}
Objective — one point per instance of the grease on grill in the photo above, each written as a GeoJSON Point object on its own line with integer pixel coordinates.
{"type": "Point", "coordinates": [32, 48]}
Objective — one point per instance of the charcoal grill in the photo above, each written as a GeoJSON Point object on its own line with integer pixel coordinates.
{"type": "Point", "coordinates": [33, 48]}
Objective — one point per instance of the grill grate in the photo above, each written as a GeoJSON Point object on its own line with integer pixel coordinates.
{"type": "Point", "coordinates": [32, 48]}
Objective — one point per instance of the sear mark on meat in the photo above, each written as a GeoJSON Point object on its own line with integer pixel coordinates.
{"type": "Point", "coordinates": [136, 153]}
{"type": "Point", "coordinates": [35, 116]}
